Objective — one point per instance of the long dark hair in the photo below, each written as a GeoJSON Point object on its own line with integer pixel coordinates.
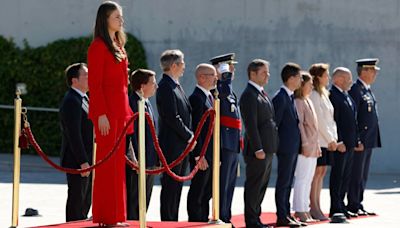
{"type": "Point", "coordinates": [101, 29]}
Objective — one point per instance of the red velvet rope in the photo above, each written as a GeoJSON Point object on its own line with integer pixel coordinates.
{"type": "Point", "coordinates": [167, 168]}
{"type": "Point", "coordinates": [35, 145]}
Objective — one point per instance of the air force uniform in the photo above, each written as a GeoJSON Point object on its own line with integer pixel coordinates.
{"type": "Point", "coordinates": [230, 136]}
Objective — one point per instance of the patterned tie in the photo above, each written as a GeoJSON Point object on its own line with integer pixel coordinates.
{"type": "Point", "coordinates": [348, 99]}
{"type": "Point", "coordinates": [264, 93]}
{"type": "Point", "coordinates": [210, 99]}
{"type": "Point", "coordinates": [85, 104]}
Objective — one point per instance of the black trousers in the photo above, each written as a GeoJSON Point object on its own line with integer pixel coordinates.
{"type": "Point", "coordinates": [132, 192]}
{"type": "Point", "coordinates": [359, 177]}
{"type": "Point", "coordinates": [284, 181]}
{"type": "Point", "coordinates": [257, 177]}
{"type": "Point", "coordinates": [79, 197]}
{"type": "Point", "coordinates": [340, 179]}
{"type": "Point", "coordinates": [200, 193]}
{"type": "Point", "coordinates": [228, 175]}
{"type": "Point", "coordinates": [171, 193]}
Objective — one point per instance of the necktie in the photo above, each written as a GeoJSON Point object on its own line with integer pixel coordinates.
{"type": "Point", "coordinates": [85, 104]}
{"type": "Point", "coordinates": [348, 99]}
{"type": "Point", "coordinates": [210, 99]}
{"type": "Point", "coordinates": [148, 107]}
{"type": "Point", "coordinates": [264, 93]}
{"type": "Point", "coordinates": [294, 106]}
{"type": "Point", "coordinates": [180, 89]}
{"type": "Point", "coordinates": [370, 92]}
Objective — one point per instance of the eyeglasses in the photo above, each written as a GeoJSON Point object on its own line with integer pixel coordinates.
{"type": "Point", "coordinates": [210, 74]}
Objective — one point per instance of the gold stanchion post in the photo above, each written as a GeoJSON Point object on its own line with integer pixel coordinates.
{"type": "Point", "coordinates": [94, 160]}
{"type": "Point", "coordinates": [216, 163]}
{"type": "Point", "coordinates": [142, 165]}
{"type": "Point", "coordinates": [17, 158]}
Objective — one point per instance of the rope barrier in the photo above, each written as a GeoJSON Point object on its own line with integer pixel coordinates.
{"type": "Point", "coordinates": [36, 146]}
{"type": "Point", "coordinates": [167, 167]}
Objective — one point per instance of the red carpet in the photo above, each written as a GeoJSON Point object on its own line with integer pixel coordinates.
{"type": "Point", "coordinates": [237, 220]}
{"type": "Point", "coordinates": [266, 218]}
{"type": "Point", "coordinates": [84, 224]}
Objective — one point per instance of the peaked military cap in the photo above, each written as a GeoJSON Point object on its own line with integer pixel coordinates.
{"type": "Point", "coordinates": [225, 58]}
{"type": "Point", "coordinates": [368, 63]}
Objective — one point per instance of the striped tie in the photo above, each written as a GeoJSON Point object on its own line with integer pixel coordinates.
{"type": "Point", "coordinates": [85, 104]}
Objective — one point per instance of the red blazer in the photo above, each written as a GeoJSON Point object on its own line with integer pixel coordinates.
{"type": "Point", "coordinates": [108, 84]}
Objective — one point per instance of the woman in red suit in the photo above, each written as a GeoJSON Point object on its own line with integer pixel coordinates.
{"type": "Point", "coordinates": [109, 111]}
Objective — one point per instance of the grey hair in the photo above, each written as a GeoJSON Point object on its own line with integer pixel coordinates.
{"type": "Point", "coordinates": [169, 57]}
{"type": "Point", "coordinates": [340, 70]}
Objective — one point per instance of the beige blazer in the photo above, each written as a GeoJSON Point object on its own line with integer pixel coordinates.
{"type": "Point", "coordinates": [308, 125]}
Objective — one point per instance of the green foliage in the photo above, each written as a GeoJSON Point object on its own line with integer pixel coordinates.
{"type": "Point", "coordinates": [42, 70]}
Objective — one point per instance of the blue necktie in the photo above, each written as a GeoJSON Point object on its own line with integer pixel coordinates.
{"type": "Point", "coordinates": [294, 106]}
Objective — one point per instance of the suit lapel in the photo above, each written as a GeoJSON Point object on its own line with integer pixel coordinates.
{"type": "Point", "coordinates": [84, 103]}
{"type": "Point", "coordinates": [178, 91]}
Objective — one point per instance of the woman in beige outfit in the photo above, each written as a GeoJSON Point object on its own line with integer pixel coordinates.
{"type": "Point", "coordinates": [310, 149]}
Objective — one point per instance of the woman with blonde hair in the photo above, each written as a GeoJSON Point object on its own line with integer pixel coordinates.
{"type": "Point", "coordinates": [310, 149]}
{"type": "Point", "coordinates": [327, 133]}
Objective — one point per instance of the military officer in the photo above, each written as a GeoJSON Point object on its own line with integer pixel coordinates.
{"type": "Point", "coordinates": [368, 129]}
{"type": "Point", "coordinates": [230, 131]}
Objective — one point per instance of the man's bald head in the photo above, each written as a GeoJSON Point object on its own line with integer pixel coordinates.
{"type": "Point", "coordinates": [342, 78]}
{"type": "Point", "coordinates": [204, 68]}
{"type": "Point", "coordinates": [206, 75]}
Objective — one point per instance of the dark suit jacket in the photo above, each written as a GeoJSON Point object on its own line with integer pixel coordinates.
{"type": "Point", "coordinates": [345, 117]}
{"type": "Point", "coordinates": [367, 115]}
{"type": "Point", "coordinates": [175, 117]}
{"type": "Point", "coordinates": [151, 155]}
{"type": "Point", "coordinates": [200, 104]}
{"type": "Point", "coordinates": [230, 137]}
{"type": "Point", "coordinates": [258, 116]}
{"type": "Point", "coordinates": [286, 119]}
{"type": "Point", "coordinates": [77, 132]}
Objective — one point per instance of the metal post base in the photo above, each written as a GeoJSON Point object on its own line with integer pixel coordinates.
{"type": "Point", "coordinates": [217, 222]}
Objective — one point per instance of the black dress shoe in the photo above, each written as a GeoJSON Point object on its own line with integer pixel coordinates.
{"type": "Point", "coordinates": [361, 213]}
{"type": "Point", "coordinates": [368, 212]}
{"type": "Point", "coordinates": [287, 222]}
{"type": "Point", "coordinates": [350, 214]}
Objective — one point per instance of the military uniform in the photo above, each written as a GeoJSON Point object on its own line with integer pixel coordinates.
{"type": "Point", "coordinates": [368, 129]}
{"type": "Point", "coordinates": [230, 136]}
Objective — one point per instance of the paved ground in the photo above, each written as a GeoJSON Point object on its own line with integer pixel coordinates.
{"type": "Point", "coordinates": [44, 189]}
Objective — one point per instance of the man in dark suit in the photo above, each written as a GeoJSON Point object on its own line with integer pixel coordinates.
{"type": "Point", "coordinates": [289, 142]}
{"type": "Point", "coordinates": [260, 142]}
{"type": "Point", "coordinates": [201, 100]}
{"type": "Point", "coordinates": [230, 131]}
{"type": "Point", "coordinates": [345, 118]}
{"type": "Point", "coordinates": [175, 130]}
{"type": "Point", "coordinates": [368, 129]}
{"type": "Point", "coordinates": [77, 141]}
{"type": "Point", "coordinates": [144, 85]}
